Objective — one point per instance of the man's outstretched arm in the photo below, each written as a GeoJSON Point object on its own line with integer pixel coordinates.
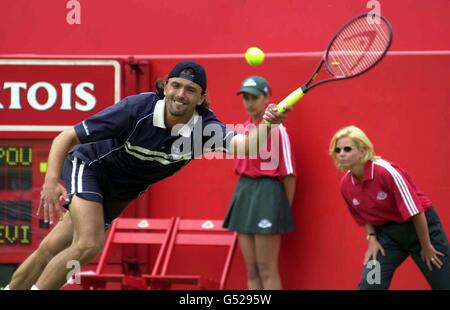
{"type": "Point", "coordinates": [241, 144]}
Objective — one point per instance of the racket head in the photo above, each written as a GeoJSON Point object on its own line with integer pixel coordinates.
{"type": "Point", "coordinates": [358, 46]}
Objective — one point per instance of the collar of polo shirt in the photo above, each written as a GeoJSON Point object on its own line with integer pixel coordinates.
{"type": "Point", "coordinates": [368, 173]}
{"type": "Point", "coordinates": [158, 119]}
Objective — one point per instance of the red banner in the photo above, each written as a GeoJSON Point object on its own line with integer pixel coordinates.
{"type": "Point", "coordinates": [50, 95]}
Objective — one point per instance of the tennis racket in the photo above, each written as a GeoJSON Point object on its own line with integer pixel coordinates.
{"type": "Point", "coordinates": [356, 48]}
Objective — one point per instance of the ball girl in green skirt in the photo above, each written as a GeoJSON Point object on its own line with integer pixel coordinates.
{"type": "Point", "coordinates": [261, 206]}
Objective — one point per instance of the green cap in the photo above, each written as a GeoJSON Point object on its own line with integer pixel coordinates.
{"type": "Point", "coordinates": [255, 85]}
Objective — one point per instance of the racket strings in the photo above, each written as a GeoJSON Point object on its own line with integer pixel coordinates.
{"type": "Point", "coordinates": [357, 47]}
{"type": "Point", "coordinates": [378, 44]}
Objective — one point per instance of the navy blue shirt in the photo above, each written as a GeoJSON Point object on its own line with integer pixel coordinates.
{"type": "Point", "coordinates": [131, 148]}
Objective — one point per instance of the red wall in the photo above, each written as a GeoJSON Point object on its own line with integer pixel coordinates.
{"type": "Point", "coordinates": [402, 104]}
{"type": "Point", "coordinates": [204, 26]}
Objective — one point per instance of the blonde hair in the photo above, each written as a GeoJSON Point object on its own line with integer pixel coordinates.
{"type": "Point", "coordinates": [358, 137]}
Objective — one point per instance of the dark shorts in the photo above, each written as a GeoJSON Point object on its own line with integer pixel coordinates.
{"type": "Point", "coordinates": [88, 183]}
{"type": "Point", "coordinates": [259, 206]}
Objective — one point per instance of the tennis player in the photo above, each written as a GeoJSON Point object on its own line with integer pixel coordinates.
{"type": "Point", "coordinates": [111, 158]}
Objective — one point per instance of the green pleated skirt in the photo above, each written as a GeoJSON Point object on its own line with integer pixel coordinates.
{"type": "Point", "coordinates": [259, 206]}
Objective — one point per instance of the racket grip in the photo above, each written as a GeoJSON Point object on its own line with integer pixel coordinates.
{"type": "Point", "coordinates": [289, 101]}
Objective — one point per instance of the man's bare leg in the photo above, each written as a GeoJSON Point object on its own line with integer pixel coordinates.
{"type": "Point", "coordinates": [89, 237]}
{"type": "Point", "coordinates": [59, 238]}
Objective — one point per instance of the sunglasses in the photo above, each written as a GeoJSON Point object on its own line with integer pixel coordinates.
{"type": "Point", "coordinates": [346, 149]}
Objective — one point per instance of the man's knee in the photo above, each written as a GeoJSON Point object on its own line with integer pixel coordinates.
{"type": "Point", "coordinates": [88, 249]}
{"type": "Point", "coordinates": [46, 251]}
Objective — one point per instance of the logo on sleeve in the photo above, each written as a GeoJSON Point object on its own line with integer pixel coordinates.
{"type": "Point", "coordinates": [381, 196]}
{"type": "Point", "coordinates": [355, 202]}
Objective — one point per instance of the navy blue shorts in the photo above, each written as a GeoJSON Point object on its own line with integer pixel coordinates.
{"type": "Point", "coordinates": [87, 183]}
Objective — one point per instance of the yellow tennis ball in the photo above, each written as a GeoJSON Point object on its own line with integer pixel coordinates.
{"type": "Point", "coordinates": [254, 56]}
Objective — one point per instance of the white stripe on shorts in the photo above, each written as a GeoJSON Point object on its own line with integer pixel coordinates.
{"type": "Point", "coordinates": [72, 177]}
{"type": "Point", "coordinates": [80, 178]}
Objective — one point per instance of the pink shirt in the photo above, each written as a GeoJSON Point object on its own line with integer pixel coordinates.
{"type": "Point", "coordinates": [386, 194]}
{"type": "Point", "coordinates": [278, 161]}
